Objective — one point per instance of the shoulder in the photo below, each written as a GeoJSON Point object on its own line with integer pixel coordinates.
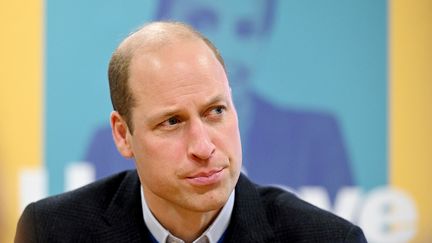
{"type": "Point", "coordinates": [94, 195]}
{"type": "Point", "coordinates": [289, 215]}
{"type": "Point", "coordinates": [280, 204]}
{"type": "Point", "coordinates": [291, 218]}
{"type": "Point", "coordinates": [77, 212]}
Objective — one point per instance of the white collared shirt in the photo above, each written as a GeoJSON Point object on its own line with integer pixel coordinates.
{"type": "Point", "coordinates": [211, 235]}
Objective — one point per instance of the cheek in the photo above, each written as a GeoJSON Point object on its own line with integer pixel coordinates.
{"type": "Point", "coordinates": [156, 156]}
{"type": "Point", "coordinates": [152, 166]}
{"type": "Point", "coordinates": [230, 142]}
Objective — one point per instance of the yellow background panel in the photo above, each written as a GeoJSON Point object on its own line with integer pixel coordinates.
{"type": "Point", "coordinates": [411, 105]}
{"type": "Point", "coordinates": [21, 65]}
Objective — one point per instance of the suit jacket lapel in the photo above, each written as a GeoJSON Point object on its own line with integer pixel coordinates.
{"type": "Point", "coordinates": [123, 217]}
{"type": "Point", "coordinates": [125, 222]}
{"type": "Point", "coordinates": [248, 221]}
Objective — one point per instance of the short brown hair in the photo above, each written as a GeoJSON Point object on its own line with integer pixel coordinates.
{"type": "Point", "coordinates": [118, 70]}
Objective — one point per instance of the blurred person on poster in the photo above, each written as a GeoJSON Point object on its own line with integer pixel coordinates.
{"type": "Point", "coordinates": [308, 150]}
{"type": "Point", "coordinates": [175, 117]}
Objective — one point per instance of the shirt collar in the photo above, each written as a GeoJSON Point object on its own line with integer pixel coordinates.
{"type": "Point", "coordinates": [213, 233]}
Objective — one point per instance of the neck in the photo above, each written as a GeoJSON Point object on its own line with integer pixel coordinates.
{"type": "Point", "coordinates": [185, 224]}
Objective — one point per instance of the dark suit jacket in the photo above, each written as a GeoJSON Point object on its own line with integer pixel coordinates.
{"type": "Point", "coordinates": [109, 210]}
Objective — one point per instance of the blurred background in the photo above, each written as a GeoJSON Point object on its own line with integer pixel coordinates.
{"type": "Point", "coordinates": [333, 99]}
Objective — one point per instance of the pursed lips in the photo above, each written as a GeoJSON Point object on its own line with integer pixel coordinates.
{"type": "Point", "coordinates": [206, 177]}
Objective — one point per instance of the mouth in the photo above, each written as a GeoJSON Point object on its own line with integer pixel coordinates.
{"type": "Point", "coordinates": [206, 178]}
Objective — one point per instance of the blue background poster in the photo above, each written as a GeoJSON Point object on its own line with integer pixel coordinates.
{"type": "Point", "coordinates": [309, 80]}
{"type": "Point", "coordinates": [333, 96]}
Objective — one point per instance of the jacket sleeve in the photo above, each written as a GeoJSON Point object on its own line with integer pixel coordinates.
{"type": "Point", "coordinates": [26, 228]}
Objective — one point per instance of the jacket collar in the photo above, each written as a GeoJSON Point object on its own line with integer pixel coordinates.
{"type": "Point", "coordinates": [125, 221]}
{"type": "Point", "coordinates": [249, 220]}
{"type": "Point", "coordinates": [124, 218]}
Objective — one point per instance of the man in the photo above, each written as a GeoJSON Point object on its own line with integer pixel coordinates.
{"type": "Point", "coordinates": [175, 117]}
{"type": "Point", "coordinates": [304, 148]}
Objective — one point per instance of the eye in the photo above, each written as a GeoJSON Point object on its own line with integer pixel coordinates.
{"type": "Point", "coordinates": [219, 110]}
{"type": "Point", "coordinates": [172, 121]}
{"type": "Point", "coordinates": [216, 112]}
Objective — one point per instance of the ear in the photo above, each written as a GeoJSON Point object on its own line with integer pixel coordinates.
{"type": "Point", "coordinates": [121, 135]}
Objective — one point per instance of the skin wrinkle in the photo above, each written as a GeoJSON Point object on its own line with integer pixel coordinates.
{"type": "Point", "coordinates": [172, 105]}
{"type": "Point", "coordinates": [177, 77]}
{"type": "Point", "coordinates": [146, 40]}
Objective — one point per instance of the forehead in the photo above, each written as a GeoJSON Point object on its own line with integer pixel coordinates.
{"type": "Point", "coordinates": [173, 69]}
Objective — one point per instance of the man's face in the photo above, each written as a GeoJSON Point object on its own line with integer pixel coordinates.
{"type": "Point", "coordinates": [186, 141]}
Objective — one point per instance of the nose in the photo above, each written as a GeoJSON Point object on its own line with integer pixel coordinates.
{"type": "Point", "coordinates": [200, 146]}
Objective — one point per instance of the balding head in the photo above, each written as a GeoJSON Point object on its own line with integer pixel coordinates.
{"type": "Point", "coordinates": [149, 38]}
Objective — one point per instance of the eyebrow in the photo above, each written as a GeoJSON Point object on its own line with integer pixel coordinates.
{"type": "Point", "coordinates": [171, 111]}
{"type": "Point", "coordinates": [217, 99]}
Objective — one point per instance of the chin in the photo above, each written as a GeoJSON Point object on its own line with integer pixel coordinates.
{"type": "Point", "coordinates": [208, 207]}
{"type": "Point", "coordinates": [210, 201]}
